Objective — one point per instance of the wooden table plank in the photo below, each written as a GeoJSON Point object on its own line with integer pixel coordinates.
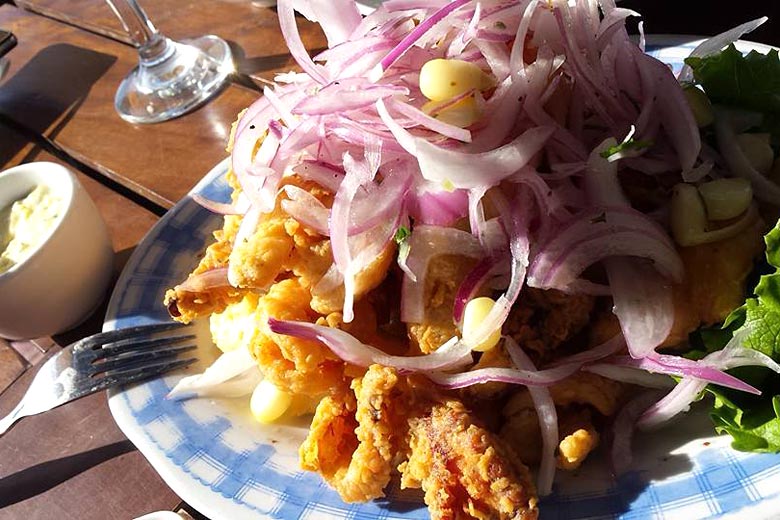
{"type": "Point", "coordinates": [61, 84]}
{"type": "Point", "coordinates": [252, 30]}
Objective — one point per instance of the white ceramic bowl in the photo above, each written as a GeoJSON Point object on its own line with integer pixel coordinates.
{"type": "Point", "coordinates": [65, 278]}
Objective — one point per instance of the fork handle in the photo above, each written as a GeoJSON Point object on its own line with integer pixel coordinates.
{"type": "Point", "coordinates": [10, 419]}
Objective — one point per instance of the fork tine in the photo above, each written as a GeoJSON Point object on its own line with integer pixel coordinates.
{"type": "Point", "coordinates": [116, 349]}
{"type": "Point", "coordinates": [113, 336]}
{"type": "Point", "coordinates": [137, 359]}
{"type": "Point", "coordinates": [125, 376]}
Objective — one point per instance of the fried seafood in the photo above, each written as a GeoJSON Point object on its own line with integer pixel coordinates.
{"type": "Point", "coordinates": [465, 471]}
{"type": "Point", "coordinates": [388, 423]}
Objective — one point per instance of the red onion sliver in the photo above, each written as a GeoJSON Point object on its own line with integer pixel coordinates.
{"type": "Point", "coordinates": [548, 419]}
{"type": "Point", "coordinates": [223, 208]}
{"type": "Point", "coordinates": [206, 280]}
{"type": "Point", "coordinates": [513, 376]}
{"type": "Point", "coordinates": [452, 354]}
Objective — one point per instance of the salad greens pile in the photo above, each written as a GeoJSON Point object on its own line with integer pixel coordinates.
{"type": "Point", "coordinates": [748, 82]}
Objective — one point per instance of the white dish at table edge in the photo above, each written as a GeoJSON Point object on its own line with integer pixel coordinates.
{"type": "Point", "coordinates": [688, 439]}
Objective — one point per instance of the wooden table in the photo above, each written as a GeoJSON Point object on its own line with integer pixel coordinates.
{"type": "Point", "coordinates": [56, 104]}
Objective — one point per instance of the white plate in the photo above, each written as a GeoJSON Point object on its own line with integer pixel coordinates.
{"type": "Point", "coordinates": [215, 457]}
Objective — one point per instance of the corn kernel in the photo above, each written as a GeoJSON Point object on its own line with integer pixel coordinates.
{"type": "Point", "coordinates": [687, 214]}
{"type": "Point", "coordinates": [700, 106]}
{"type": "Point", "coordinates": [442, 79]}
{"type": "Point", "coordinates": [474, 314]}
{"type": "Point", "coordinates": [462, 114]}
{"type": "Point", "coordinates": [757, 150]}
{"type": "Point", "coordinates": [726, 198]}
{"type": "Point", "coordinates": [268, 402]}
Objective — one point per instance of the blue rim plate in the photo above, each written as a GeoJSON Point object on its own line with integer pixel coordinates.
{"type": "Point", "coordinates": [215, 457]}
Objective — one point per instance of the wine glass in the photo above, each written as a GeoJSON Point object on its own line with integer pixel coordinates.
{"type": "Point", "coordinates": [171, 78]}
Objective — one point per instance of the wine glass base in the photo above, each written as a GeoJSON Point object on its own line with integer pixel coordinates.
{"type": "Point", "coordinates": [192, 72]}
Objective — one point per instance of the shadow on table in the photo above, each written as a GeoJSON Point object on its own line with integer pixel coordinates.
{"type": "Point", "coordinates": [42, 477]}
{"type": "Point", "coordinates": [48, 90]}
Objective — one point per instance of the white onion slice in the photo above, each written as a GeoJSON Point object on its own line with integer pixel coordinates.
{"type": "Point", "coordinates": [233, 374]}
{"type": "Point", "coordinates": [548, 419]}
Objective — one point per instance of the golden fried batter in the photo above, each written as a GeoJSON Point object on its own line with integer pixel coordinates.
{"type": "Point", "coordinates": [445, 274]}
{"type": "Point", "coordinates": [542, 320]}
{"type": "Point", "coordinates": [714, 282]}
{"type": "Point", "coordinates": [375, 445]}
{"type": "Point", "coordinates": [295, 365]}
{"type": "Point", "coordinates": [465, 471]}
{"type": "Point", "coordinates": [573, 398]}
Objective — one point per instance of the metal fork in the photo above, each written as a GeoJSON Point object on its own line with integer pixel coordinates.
{"type": "Point", "coordinates": [102, 361]}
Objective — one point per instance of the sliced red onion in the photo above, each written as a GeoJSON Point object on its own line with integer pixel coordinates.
{"type": "Point", "coordinates": [468, 170]}
{"type": "Point", "coordinates": [410, 39]}
{"type": "Point", "coordinates": [247, 228]}
{"type": "Point", "coordinates": [548, 419]}
{"type": "Point", "coordinates": [294, 43]}
{"type": "Point", "coordinates": [471, 285]}
{"type": "Point", "coordinates": [338, 18]}
{"type": "Point", "coordinates": [306, 209]}
{"type": "Point", "coordinates": [438, 207]}
{"type": "Point", "coordinates": [222, 208]}
{"type": "Point", "coordinates": [512, 376]}
{"type": "Point", "coordinates": [623, 430]}
{"type": "Point", "coordinates": [358, 174]}
{"type": "Point", "coordinates": [345, 95]}
{"type": "Point", "coordinates": [205, 280]}
{"type": "Point", "coordinates": [233, 374]}
{"type": "Point", "coordinates": [425, 243]}
{"type": "Point", "coordinates": [675, 402]}
{"type": "Point", "coordinates": [606, 349]}
{"type": "Point", "coordinates": [326, 175]}
{"type": "Point", "coordinates": [423, 119]}
{"type": "Point", "coordinates": [717, 43]}
{"type": "Point", "coordinates": [451, 355]}
{"type": "Point", "coordinates": [681, 367]}
{"type": "Point", "coordinates": [634, 376]}
{"type": "Point", "coordinates": [642, 302]}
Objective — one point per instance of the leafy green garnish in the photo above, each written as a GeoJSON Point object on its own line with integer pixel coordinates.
{"type": "Point", "coordinates": [402, 234]}
{"type": "Point", "coordinates": [750, 81]}
{"type": "Point", "coordinates": [629, 143]}
{"type": "Point", "coordinates": [752, 421]}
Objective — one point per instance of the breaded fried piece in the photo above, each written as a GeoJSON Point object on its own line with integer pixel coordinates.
{"type": "Point", "coordinates": [542, 320]}
{"type": "Point", "coordinates": [295, 365]}
{"type": "Point", "coordinates": [714, 283]}
{"type": "Point", "coordinates": [358, 437]}
{"type": "Point", "coordinates": [279, 245]}
{"type": "Point", "coordinates": [374, 445]}
{"type": "Point", "coordinates": [186, 305]}
{"type": "Point", "coordinates": [445, 274]}
{"type": "Point", "coordinates": [574, 397]}
{"type": "Point", "coordinates": [369, 278]}
{"type": "Point", "coordinates": [465, 471]}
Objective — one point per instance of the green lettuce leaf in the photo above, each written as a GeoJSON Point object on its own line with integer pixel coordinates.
{"type": "Point", "coordinates": [750, 81]}
{"type": "Point", "coordinates": [752, 421]}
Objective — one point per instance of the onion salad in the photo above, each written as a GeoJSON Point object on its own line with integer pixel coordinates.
{"type": "Point", "coordinates": [510, 155]}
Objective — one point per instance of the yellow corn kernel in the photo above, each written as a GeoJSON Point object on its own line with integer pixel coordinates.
{"type": "Point", "coordinates": [726, 198]}
{"type": "Point", "coordinates": [268, 402]}
{"type": "Point", "coordinates": [700, 106]}
{"type": "Point", "coordinates": [474, 314]}
{"type": "Point", "coordinates": [758, 151]}
{"type": "Point", "coordinates": [462, 114]}
{"type": "Point", "coordinates": [442, 79]}
{"type": "Point", "coordinates": [687, 215]}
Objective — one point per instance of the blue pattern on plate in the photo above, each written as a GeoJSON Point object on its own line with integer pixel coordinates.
{"type": "Point", "coordinates": [262, 481]}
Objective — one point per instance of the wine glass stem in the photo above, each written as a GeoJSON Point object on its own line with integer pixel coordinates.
{"type": "Point", "coordinates": [152, 45]}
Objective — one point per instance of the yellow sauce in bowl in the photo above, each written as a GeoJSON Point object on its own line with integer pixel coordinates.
{"type": "Point", "coordinates": [25, 224]}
